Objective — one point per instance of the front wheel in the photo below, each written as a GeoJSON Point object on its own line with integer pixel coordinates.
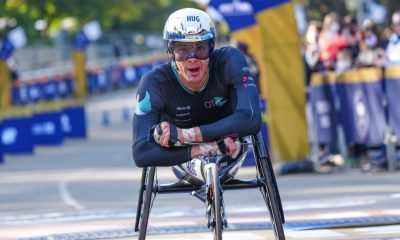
{"type": "Point", "coordinates": [269, 187]}
{"type": "Point", "coordinates": [268, 192]}
{"type": "Point", "coordinates": [214, 196]}
{"type": "Point", "coordinates": [148, 196]}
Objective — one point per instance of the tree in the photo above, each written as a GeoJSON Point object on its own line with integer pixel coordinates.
{"type": "Point", "coordinates": [148, 15]}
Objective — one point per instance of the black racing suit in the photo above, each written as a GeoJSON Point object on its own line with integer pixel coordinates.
{"type": "Point", "coordinates": [227, 105]}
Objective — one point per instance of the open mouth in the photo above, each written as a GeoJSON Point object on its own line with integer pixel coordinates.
{"type": "Point", "coordinates": [194, 70]}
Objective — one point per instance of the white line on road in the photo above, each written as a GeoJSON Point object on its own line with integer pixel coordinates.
{"type": "Point", "coordinates": [343, 215]}
{"type": "Point", "coordinates": [67, 197]}
{"type": "Point", "coordinates": [309, 234]}
{"type": "Point", "coordinates": [395, 195]}
{"type": "Point", "coordinates": [392, 211]}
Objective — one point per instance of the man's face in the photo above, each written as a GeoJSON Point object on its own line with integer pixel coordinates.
{"type": "Point", "coordinates": [192, 61]}
{"type": "Point", "coordinates": [396, 23]}
{"type": "Point", "coordinates": [193, 71]}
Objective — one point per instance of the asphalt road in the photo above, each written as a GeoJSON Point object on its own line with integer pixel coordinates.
{"type": "Point", "coordinates": [88, 189]}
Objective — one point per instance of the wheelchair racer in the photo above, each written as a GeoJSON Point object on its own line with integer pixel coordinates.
{"type": "Point", "coordinates": [202, 95]}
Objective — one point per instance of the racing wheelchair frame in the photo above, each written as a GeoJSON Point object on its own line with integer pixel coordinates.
{"type": "Point", "coordinates": [265, 181]}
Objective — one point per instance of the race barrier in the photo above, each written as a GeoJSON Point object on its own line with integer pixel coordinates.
{"type": "Point", "coordinates": [16, 130]}
{"type": "Point", "coordinates": [45, 111]}
{"type": "Point", "coordinates": [40, 107]}
{"type": "Point", "coordinates": [23, 127]}
{"type": "Point", "coordinates": [392, 89]}
{"type": "Point", "coordinates": [46, 124]}
{"type": "Point", "coordinates": [73, 119]}
{"type": "Point", "coordinates": [322, 97]}
{"type": "Point", "coordinates": [362, 112]}
{"type": "Point", "coordinates": [364, 103]}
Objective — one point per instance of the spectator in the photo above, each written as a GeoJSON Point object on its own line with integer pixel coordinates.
{"type": "Point", "coordinates": [311, 48]}
{"type": "Point", "coordinates": [386, 33]}
{"type": "Point", "coordinates": [330, 41]}
{"type": "Point", "coordinates": [351, 34]}
{"type": "Point", "coordinates": [344, 61]}
{"type": "Point", "coordinates": [13, 66]}
{"type": "Point", "coordinates": [393, 46]}
{"type": "Point", "coordinates": [371, 54]}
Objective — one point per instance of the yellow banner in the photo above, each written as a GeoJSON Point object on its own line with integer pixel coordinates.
{"type": "Point", "coordinates": [361, 75]}
{"type": "Point", "coordinates": [392, 72]}
{"type": "Point", "coordinates": [78, 58]}
{"type": "Point", "coordinates": [5, 85]}
{"type": "Point", "coordinates": [285, 76]}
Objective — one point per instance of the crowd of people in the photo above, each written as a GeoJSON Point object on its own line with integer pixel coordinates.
{"type": "Point", "coordinates": [338, 44]}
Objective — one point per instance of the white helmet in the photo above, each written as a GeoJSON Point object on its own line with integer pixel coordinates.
{"type": "Point", "coordinates": [189, 25]}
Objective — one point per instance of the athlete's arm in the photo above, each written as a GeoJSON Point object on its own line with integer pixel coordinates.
{"type": "Point", "coordinates": [246, 118]}
{"type": "Point", "coordinates": [145, 151]}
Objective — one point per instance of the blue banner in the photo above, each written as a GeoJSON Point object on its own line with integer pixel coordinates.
{"type": "Point", "coordinates": [324, 116]}
{"type": "Point", "coordinates": [6, 49]}
{"type": "Point", "coordinates": [70, 84]}
{"type": "Point", "coordinates": [1, 147]}
{"type": "Point", "coordinates": [361, 111]}
{"type": "Point", "coordinates": [46, 128]}
{"type": "Point", "coordinates": [81, 41]}
{"type": "Point", "coordinates": [322, 95]}
{"type": "Point", "coordinates": [262, 5]}
{"type": "Point", "coordinates": [35, 92]}
{"type": "Point", "coordinates": [63, 89]}
{"type": "Point", "coordinates": [49, 90]}
{"type": "Point", "coordinates": [1, 154]}
{"type": "Point", "coordinates": [20, 94]}
{"type": "Point", "coordinates": [129, 75]}
{"type": "Point", "coordinates": [16, 135]}
{"type": "Point", "coordinates": [92, 81]}
{"type": "Point", "coordinates": [73, 122]}
{"type": "Point", "coordinates": [392, 87]}
{"type": "Point", "coordinates": [114, 76]}
{"type": "Point", "coordinates": [238, 14]}
{"type": "Point", "coordinates": [103, 82]}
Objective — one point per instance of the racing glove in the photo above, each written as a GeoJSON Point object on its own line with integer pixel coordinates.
{"type": "Point", "coordinates": [219, 148]}
{"type": "Point", "coordinates": [173, 135]}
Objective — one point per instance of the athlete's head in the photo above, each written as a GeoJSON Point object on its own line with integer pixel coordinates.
{"type": "Point", "coordinates": [189, 35]}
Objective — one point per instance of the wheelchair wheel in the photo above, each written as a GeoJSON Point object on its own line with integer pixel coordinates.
{"type": "Point", "coordinates": [147, 199]}
{"type": "Point", "coordinates": [214, 201]}
{"type": "Point", "coordinates": [269, 188]}
{"type": "Point", "coordinates": [217, 204]}
{"type": "Point", "coordinates": [140, 199]}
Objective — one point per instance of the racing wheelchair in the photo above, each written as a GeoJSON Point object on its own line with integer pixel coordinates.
{"type": "Point", "coordinates": [210, 191]}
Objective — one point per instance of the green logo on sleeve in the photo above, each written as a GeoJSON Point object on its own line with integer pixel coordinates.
{"type": "Point", "coordinates": [143, 106]}
{"type": "Point", "coordinates": [219, 101]}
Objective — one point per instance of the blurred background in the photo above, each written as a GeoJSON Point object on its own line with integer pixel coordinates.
{"type": "Point", "coordinates": [56, 54]}
{"type": "Point", "coordinates": [328, 75]}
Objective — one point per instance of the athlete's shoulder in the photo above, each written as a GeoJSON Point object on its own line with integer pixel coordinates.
{"type": "Point", "coordinates": [157, 75]}
{"type": "Point", "coordinates": [225, 52]}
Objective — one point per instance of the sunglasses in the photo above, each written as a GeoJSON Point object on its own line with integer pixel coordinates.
{"type": "Point", "coordinates": [184, 50]}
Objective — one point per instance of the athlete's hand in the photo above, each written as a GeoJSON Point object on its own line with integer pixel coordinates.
{"type": "Point", "coordinates": [228, 146]}
{"type": "Point", "coordinates": [232, 146]}
{"type": "Point", "coordinates": [166, 134]}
